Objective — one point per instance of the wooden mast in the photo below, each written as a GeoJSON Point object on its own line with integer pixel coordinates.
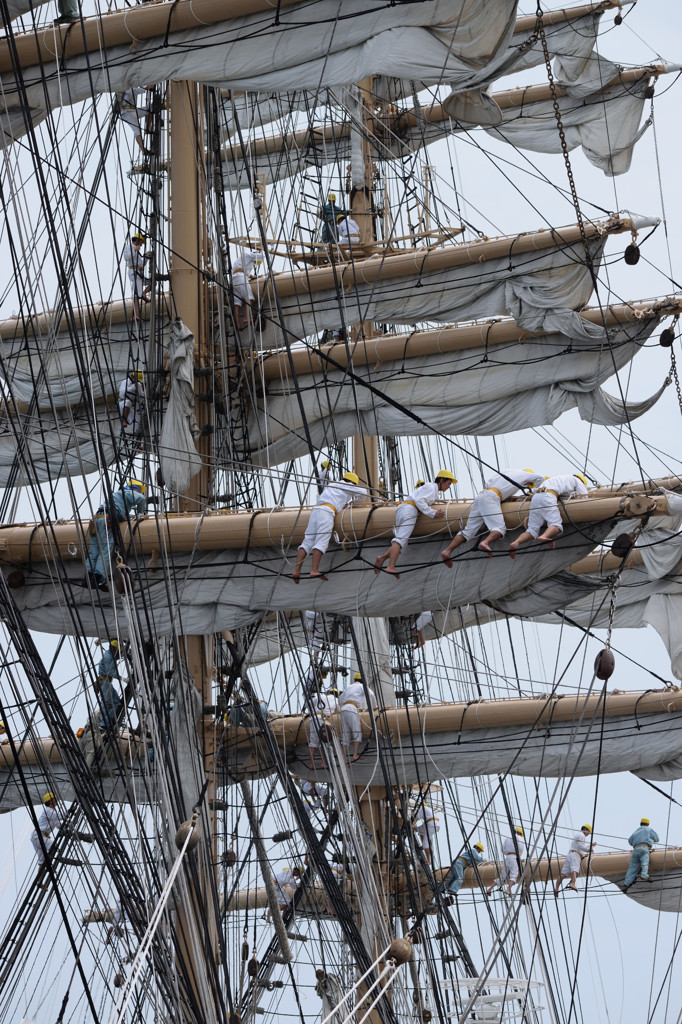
{"type": "Point", "coordinates": [189, 292]}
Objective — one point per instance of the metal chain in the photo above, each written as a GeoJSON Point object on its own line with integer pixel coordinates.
{"type": "Point", "coordinates": [672, 376]}
{"type": "Point", "coordinates": [540, 31]}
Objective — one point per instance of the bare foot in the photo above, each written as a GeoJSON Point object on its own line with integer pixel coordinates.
{"type": "Point", "coordinates": [549, 543]}
{"type": "Point", "coordinates": [573, 887]}
{"type": "Point", "coordinates": [393, 573]}
{"type": "Point", "coordinates": [446, 558]}
{"type": "Point", "coordinates": [377, 565]}
{"type": "Point", "coordinates": [484, 547]}
{"type": "Point", "coordinates": [296, 575]}
{"type": "Point", "coordinates": [319, 576]}
{"type": "Point", "coordinates": [512, 551]}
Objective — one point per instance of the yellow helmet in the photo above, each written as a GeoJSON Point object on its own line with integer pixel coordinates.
{"type": "Point", "coordinates": [519, 831]}
{"type": "Point", "coordinates": [332, 197]}
{"type": "Point", "coordinates": [357, 678]}
{"type": "Point", "coordinates": [479, 846]}
{"type": "Point", "coordinates": [645, 821]}
{"type": "Point", "coordinates": [137, 485]}
{"type": "Point", "coordinates": [445, 474]}
{"type": "Point", "coordinates": [420, 483]}
{"type": "Point", "coordinates": [140, 376]}
{"type": "Point", "coordinates": [325, 464]}
{"type": "Point", "coordinates": [581, 476]}
{"type": "Point", "coordinates": [137, 237]}
{"type": "Point", "coordinates": [2, 725]}
{"type": "Point", "coordinates": [113, 643]}
{"type": "Point", "coordinates": [352, 478]}
{"type": "Point", "coordinates": [48, 797]}
{"type": "Point", "coordinates": [333, 692]}
{"type": "Point", "coordinates": [340, 217]}
{"type": "Point", "coordinates": [529, 471]}
{"type": "Point", "coordinates": [586, 828]}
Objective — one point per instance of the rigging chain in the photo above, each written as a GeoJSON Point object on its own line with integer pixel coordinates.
{"type": "Point", "coordinates": [540, 32]}
{"type": "Point", "coordinates": [672, 376]}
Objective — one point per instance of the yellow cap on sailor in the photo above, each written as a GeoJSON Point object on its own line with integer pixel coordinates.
{"type": "Point", "coordinates": [529, 471]}
{"type": "Point", "coordinates": [445, 474]}
{"type": "Point", "coordinates": [113, 643]}
{"type": "Point", "coordinates": [479, 846]}
{"type": "Point", "coordinates": [645, 821]}
{"type": "Point", "coordinates": [585, 828]}
{"type": "Point", "coordinates": [340, 217]}
{"type": "Point", "coordinates": [334, 692]}
{"type": "Point", "coordinates": [140, 376]}
{"type": "Point", "coordinates": [332, 197]}
{"type": "Point", "coordinates": [357, 678]}
{"type": "Point", "coordinates": [352, 478]}
{"type": "Point", "coordinates": [581, 476]}
{"type": "Point", "coordinates": [519, 830]}
{"type": "Point", "coordinates": [48, 798]}
{"type": "Point", "coordinates": [2, 726]}
{"type": "Point", "coordinates": [325, 464]}
{"type": "Point", "coordinates": [138, 237]}
{"type": "Point", "coordinates": [137, 485]}
{"type": "Point", "coordinates": [420, 483]}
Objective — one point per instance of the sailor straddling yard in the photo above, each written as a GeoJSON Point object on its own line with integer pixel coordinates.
{"type": "Point", "coordinates": [334, 498]}
{"type": "Point", "coordinates": [452, 882]}
{"type": "Point", "coordinates": [486, 510]}
{"type": "Point", "coordinates": [544, 509]}
{"type": "Point", "coordinates": [130, 500]}
{"type": "Point", "coordinates": [513, 851]}
{"type": "Point", "coordinates": [419, 502]}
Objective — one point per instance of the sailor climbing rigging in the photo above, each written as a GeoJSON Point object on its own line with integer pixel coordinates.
{"type": "Point", "coordinates": [544, 509]}
{"type": "Point", "coordinates": [131, 402]}
{"type": "Point", "coordinates": [328, 214]}
{"type": "Point", "coordinates": [333, 499]}
{"type": "Point", "coordinates": [129, 500]}
{"type": "Point", "coordinates": [134, 260]}
{"type": "Point", "coordinates": [420, 501]}
{"type": "Point", "coordinates": [352, 701]}
{"type": "Point", "coordinates": [452, 882]}
{"type": "Point", "coordinates": [107, 694]}
{"type": "Point", "coordinates": [49, 821]}
{"type": "Point", "coordinates": [426, 824]}
{"type": "Point", "coordinates": [242, 293]}
{"type": "Point", "coordinates": [137, 115]}
{"type": "Point", "coordinates": [348, 230]}
{"type": "Point", "coordinates": [486, 510]}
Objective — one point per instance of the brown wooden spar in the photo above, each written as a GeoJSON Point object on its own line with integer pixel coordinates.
{"type": "Point", "coordinates": [402, 264]}
{"type": "Point", "coordinates": [392, 347]}
{"type": "Point", "coordinates": [222, 530]}
{"type": "Point", "coordinates": [433, 113]}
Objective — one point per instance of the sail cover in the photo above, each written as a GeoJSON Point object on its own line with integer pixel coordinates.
{"type": "Point", "coordinates": [219, 590]}
{"type": "Point", "coordinates": [312, 45]}
{"type": "Point", "coordinates": [475, 391]}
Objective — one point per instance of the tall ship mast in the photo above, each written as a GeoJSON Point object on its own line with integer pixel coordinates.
{"type": "Point", "coordinates": [280, 269]}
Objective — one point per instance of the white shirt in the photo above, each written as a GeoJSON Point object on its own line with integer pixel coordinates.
{"type": "Point", "coordinates": [355, 694]}
{"type": "Point", "coordinates": [130, 391]}
{"type": "Point", "coordinates": [129, 98]}
{"type": "Point", "coordinates": [246, 261]}
{"type": "Point", "coordinates": [340, 494]}
{"type": "Point", "coordinates": [314, 793]}
{"type": "Point", "coordinates": [285, 877]}
{"type": "Point", "coordinates": [134, 258]}
{"type": "Point", "coordinates": [348, 230]}
{"type": "Point", "coordinates": [581, 843]}
{"type": "Point", "coordinates": [564, 485]}
{"type": "Point", "coordinates": [327, 704]}
{"type": "Point", "coordinates": [425, 817]}
{"type": "Point", "coordinates": [509, 847]}
{"type": "Point", "coordinates": [520, 477]}
{"type": "Point", "coordinates": [423, 497]}
{"type": "Point", "coordinates": [425, 619]}
{"type": "Point", "coordinates": [49, 820]}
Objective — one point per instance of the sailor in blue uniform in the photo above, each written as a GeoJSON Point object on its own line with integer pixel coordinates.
{"type": "Point", "coordinates": [641, 841]}
{"type": "Point", "coordinates": [130, 499]}
{"type": "Point", "coordinates": [107, 694]}
{"type": "Point", "coordinates": [452, 882]}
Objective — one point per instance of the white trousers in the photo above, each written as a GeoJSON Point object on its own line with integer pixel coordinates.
{"type": "Point", "coordinates": [352, 727]}
{"type": "Point", "coordinates": [425, 832]}
{"type": "Point", "coordinates": [510, 870]}
{"type": "Point", "coordinates": [405, 520]}
{"type": "Point", "coordinates": [35, 842]}
{"type": "Point", "coordinates": [316, 721]}
{"type": "Point", "coordinates": [241, 288]}
{"type": "Point", "coordinates": [320, 527]}
{"type": "Point", "coordinates": [544, 508]}
{"type": "Point", "coordinates": [571, 864]}
{"type": "Point", "coordinates": [138, 282]}
{"type": "Point", "coordinates": [485, 511]}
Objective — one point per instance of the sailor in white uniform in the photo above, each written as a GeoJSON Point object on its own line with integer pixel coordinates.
{"type": "Point", "coordinates": [581, 845]}
{"type": "Point", "coordinates": [242, 293]}
{"type": "Point", "coordinates": [287, 876]}
{"type": "Point", "coordinates": [509, 874]}
{"type": "Point", "coordinates": [315, 797]}
{"type": "Point", "coordinates": [544, 509]}
{"type": "Point", "coordinates": [426, 823]}
{"type": "Point", "coordinates": [134, 260]}
{"type": "Point", "coordinates": [419, 502]}
{"type": "Point", "coordinates": [49, 821]}
{"type": "Point", "coordinates": [351, 702]}
{"type": "Point", "coordinates": [333, 499]}
{"type": "Point", "coordinates": [131, 401]}
{"type": "Point", "coordinates": [133, 114]}
{"type": "Point", "coordinates": [348, 230]}
{"type": "Point", "coordinates": [486, 510]}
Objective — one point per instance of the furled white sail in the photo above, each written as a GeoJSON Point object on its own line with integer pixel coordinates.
{"type": "Point", "coordinates": [474, 391]}
{"type": "Point", "coordinates": [178, 456]}
{"type": "Point", "coordinates": [310, 46]}
{"type": "Point", "coordinates": [219, 590]}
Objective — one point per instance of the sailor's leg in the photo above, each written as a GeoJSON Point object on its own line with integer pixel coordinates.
{"type": "Point", "coordinates": [644, 862]}
{"type": "Point", "coordinates": [515, 544]}
{"type": "Point", "coordinates": [548, 536]}
{"type": "Point", "coordinates": [68, 9]}
{"type": "Point", "coordinates": [484, 545]}
{"type": "Point", "coordinates": [300, 559]}
{"type": "Point", "coordinates": [394, 553]}
{"type": "Point", "coordinates": [452, 546]}
{"type": "Point", "coordinates": [315, 565]}
{"type": "Point", "coordinates": [633, 868]}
